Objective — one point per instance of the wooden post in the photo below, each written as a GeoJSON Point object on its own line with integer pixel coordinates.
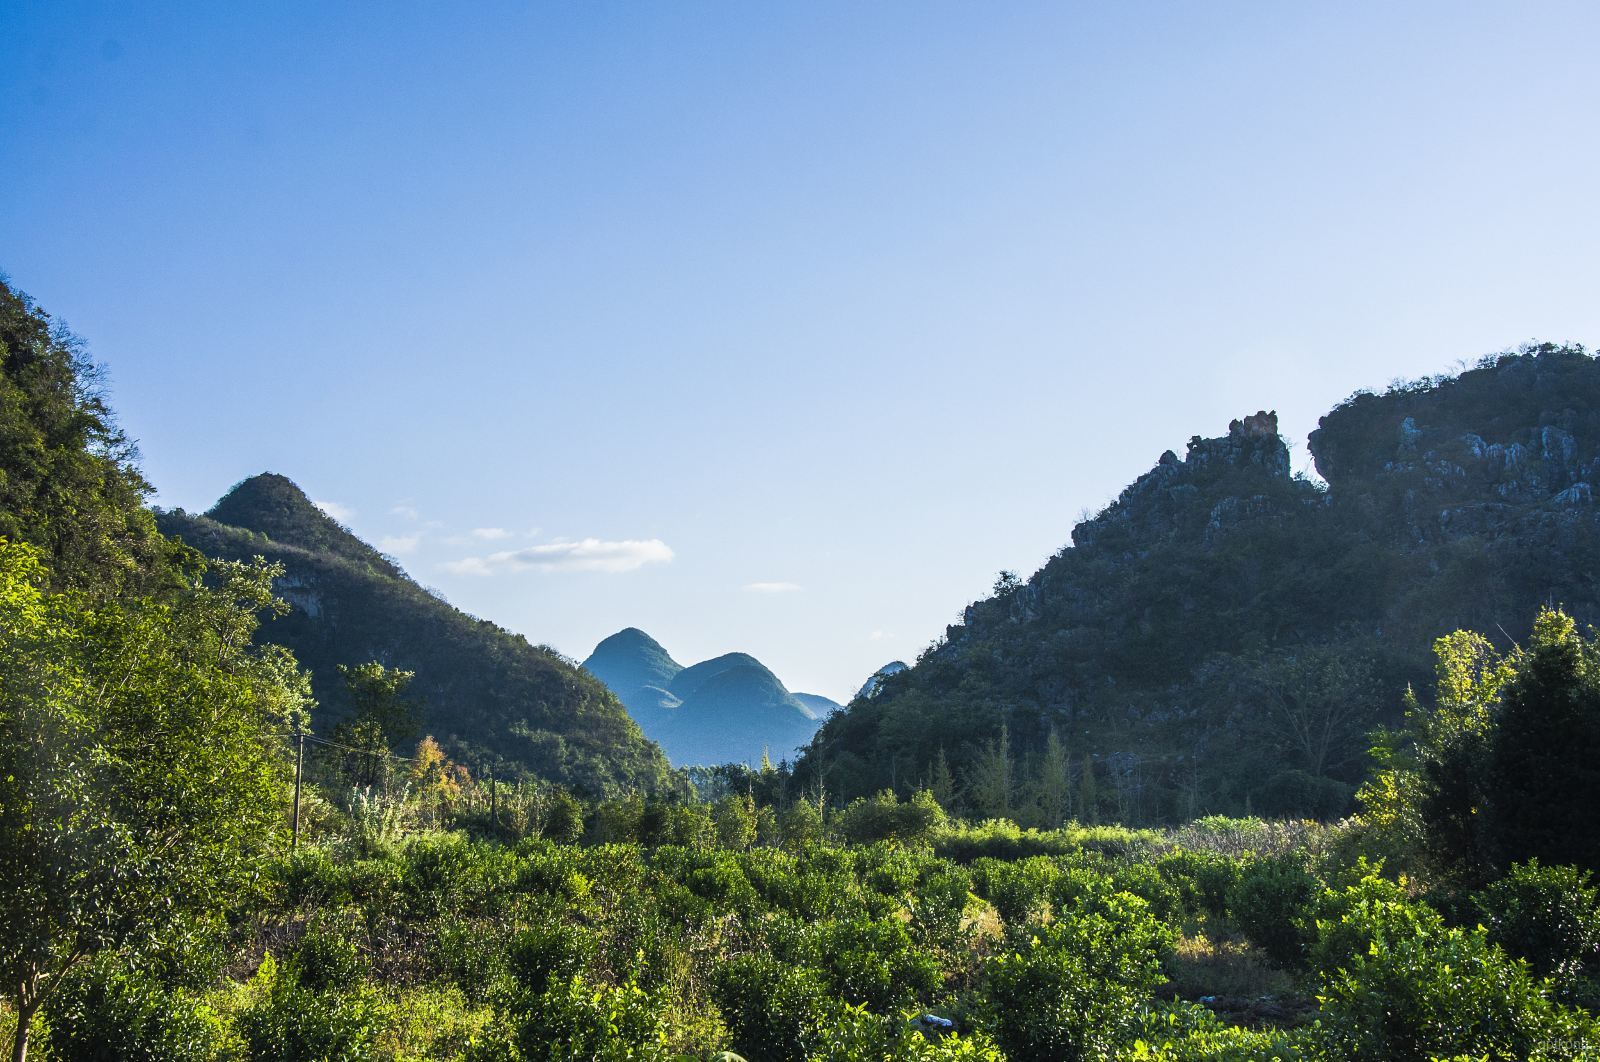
{"type": "Point", "coordinates": [299, 767]}
{"type": "Point", "coordinates": [494, 801]}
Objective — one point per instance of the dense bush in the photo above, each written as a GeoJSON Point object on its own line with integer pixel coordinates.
{"type": "Point", "coordinates": [1445, 994]}
{"type": "Point", "coordinates": [1076, 988]}
{"type": "Point", "coordinates": [110, 1013]}
{"type": "Point", "coordinates": [1271, 902]}
{"type": "Point", "coordinates": [1549, 916]}
{"type": "Point", "coordinates": [576, 1019]}
{"type": "Point", "coordinates": [289, 1022]}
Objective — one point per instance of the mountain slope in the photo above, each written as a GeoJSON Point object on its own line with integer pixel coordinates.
{"type": "Point", "coordinates": [728, 709]}
{"type": "Point", "coordinates": [1225, 634]}
{"type": "Point", "coordinates": [736, 715]}
{"type": "Point", "coordinates": [484, 692]}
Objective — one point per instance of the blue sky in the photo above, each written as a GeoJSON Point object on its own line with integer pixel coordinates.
{"type": "Point", "coordinates": [774, 327]}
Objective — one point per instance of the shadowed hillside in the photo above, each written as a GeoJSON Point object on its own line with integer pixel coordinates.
{"type": "Point", "coordinates": [1224, 636]}
{"type": "Point", "coordinates": [485, 693]}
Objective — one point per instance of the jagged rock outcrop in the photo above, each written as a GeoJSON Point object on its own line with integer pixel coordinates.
{"type": "Point", "coordinates": [1202, 627]}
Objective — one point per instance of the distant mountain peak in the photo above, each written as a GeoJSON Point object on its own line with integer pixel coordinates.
{"type": "Point", "coordinates": [629, 638]}
{"type": "Point", "coordinates": [725, 709]}
{"type": "Point", "coordinates": [273, 505]}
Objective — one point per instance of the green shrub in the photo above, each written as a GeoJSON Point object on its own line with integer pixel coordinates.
{"type": "Point", "coordinates": [1191, 1033]}
{"type": "Point", "coordinates": [1446, 994]}
{"type": "Point", "coordinates": [874, 964]}
{"type": "Point", "coordinates": [1203, 880]}
{"type": "Point", "coordinates": [110, 1013]}
{"type": "Point", "coordinates": [548, 952]}
{"type": "Point", "coordinates": [288, 1022]}
{"type": "Point", "coordinates": [1371, 914]}
{"type": "Point", "coordinates": [1549, 916]}
{"type": "Point", "coordinates": [1018, 891]}
{"type": "Point", "coordinates": [473, 958]}
{"type": "Point", "coordinates": [327, 959]}
{"type": "Point", "coordinates": [574, 1019]}
{"type": "Point", "coordinates": [1271, 903]}
{"type": "Point", "coordinates": [776, 1012]}
{"type": "Point", "coordinates": [1077, 987]}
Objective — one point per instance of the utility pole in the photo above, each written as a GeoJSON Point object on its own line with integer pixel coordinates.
{"type": "Point", "coordinates": [299, 766]}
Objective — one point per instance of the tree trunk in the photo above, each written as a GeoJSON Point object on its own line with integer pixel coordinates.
{"type": "Point", "coordinates": [19, 1044]}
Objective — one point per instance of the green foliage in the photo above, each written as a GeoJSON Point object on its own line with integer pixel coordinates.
{"type": "Point", "coordinates": [873, 963]}
{"type": "Point", "coordinates": [575, 1019]}
{"type": "Point", "coordinates": [141, 769]}
{"type": "Point", "coordinates": [1271, 903]}
{"type": "Point", "coordinates": [1076, 988]}
{"type": "Point", "coordinates": [1194, 1034]}
{"type": "Point", "coordinates": [549, 953]}
{"type": "Point", "coordinates": [1203, 880]}
{"type": "Point", "coordinates": [68, 485]}
{"type": "Point", "coordinates": [289, 1022]}
{"type": "Point", "coordinates": [112, 1013]}
{"type": "Point", "coordinates": [1544, 754]}
{"type": "Point", "coordinates": [327, 959]}
{"type": "Point", "coordinates": [1505, 766]}
{"type": "Point", "coordinates": [1549, 916]}
{"type": "Point", "coordinates": [775, 1012]}
{"type": "Point", "coordinates": [1445, 994]}
{"type": "Point", "coordinates": [884, 817]}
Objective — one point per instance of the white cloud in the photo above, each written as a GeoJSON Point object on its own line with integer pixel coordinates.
{"type": "Point", "coordinates": [771, 588]}
{"type": "Point", "coordinates": [398, 545]}
{"type": "Point", "coordinates": [878, 636]}
{"type": "Point", "coordinates": [406, 512]}
{"type": "Point", "coordinates": [342, 513]}
{"type": "Point", "coordinates": [585, 555]}
{"type": "Point", "coordinates": [490, 534]}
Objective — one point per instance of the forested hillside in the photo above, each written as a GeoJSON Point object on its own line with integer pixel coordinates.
{"type": "Point", "coordinates": [487, 695]}
{"type": "Point", "coordinates": [1224, 636]}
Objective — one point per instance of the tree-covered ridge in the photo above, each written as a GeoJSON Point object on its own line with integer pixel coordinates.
{"type": "Point", "coordinates": [68, 485]}
{"type": "Point", "coordinates": [272, 505]}
{"type": "Point", "coordinates": [1224, 635]}
{"type": "Point", "coordinates": [487, 695]}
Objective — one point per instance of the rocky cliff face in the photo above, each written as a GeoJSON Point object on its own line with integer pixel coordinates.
{"type": "Point", "coordinates": [1190, 627]}
{"type": "Point", "coordinates": [1519, 436]}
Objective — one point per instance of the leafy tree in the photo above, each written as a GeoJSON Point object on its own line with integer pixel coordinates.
{"type": "Point", "coordinates": [883, 817]}
{"type": "Point", "coordinates": [1088, 792]}
{"type": "Point", "coordinates": [801, 825]}
{"type": "Point", "coordinates": [383, 717]}
{"type": "Point", "coordinates": [1504, 766]}
{"type": "Point", "coordinates": [735, 818]}
{"type": "Point", "coordinates": [941, 780]}
{"type": "Point", "coordinates": [1314, 705]}
{"type": "Point", "coordinates": [1544, 751]}
{"type": "Point", "coordinates": [142, 768]}
{"type": "Point", "coordinates": [68, 485]}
